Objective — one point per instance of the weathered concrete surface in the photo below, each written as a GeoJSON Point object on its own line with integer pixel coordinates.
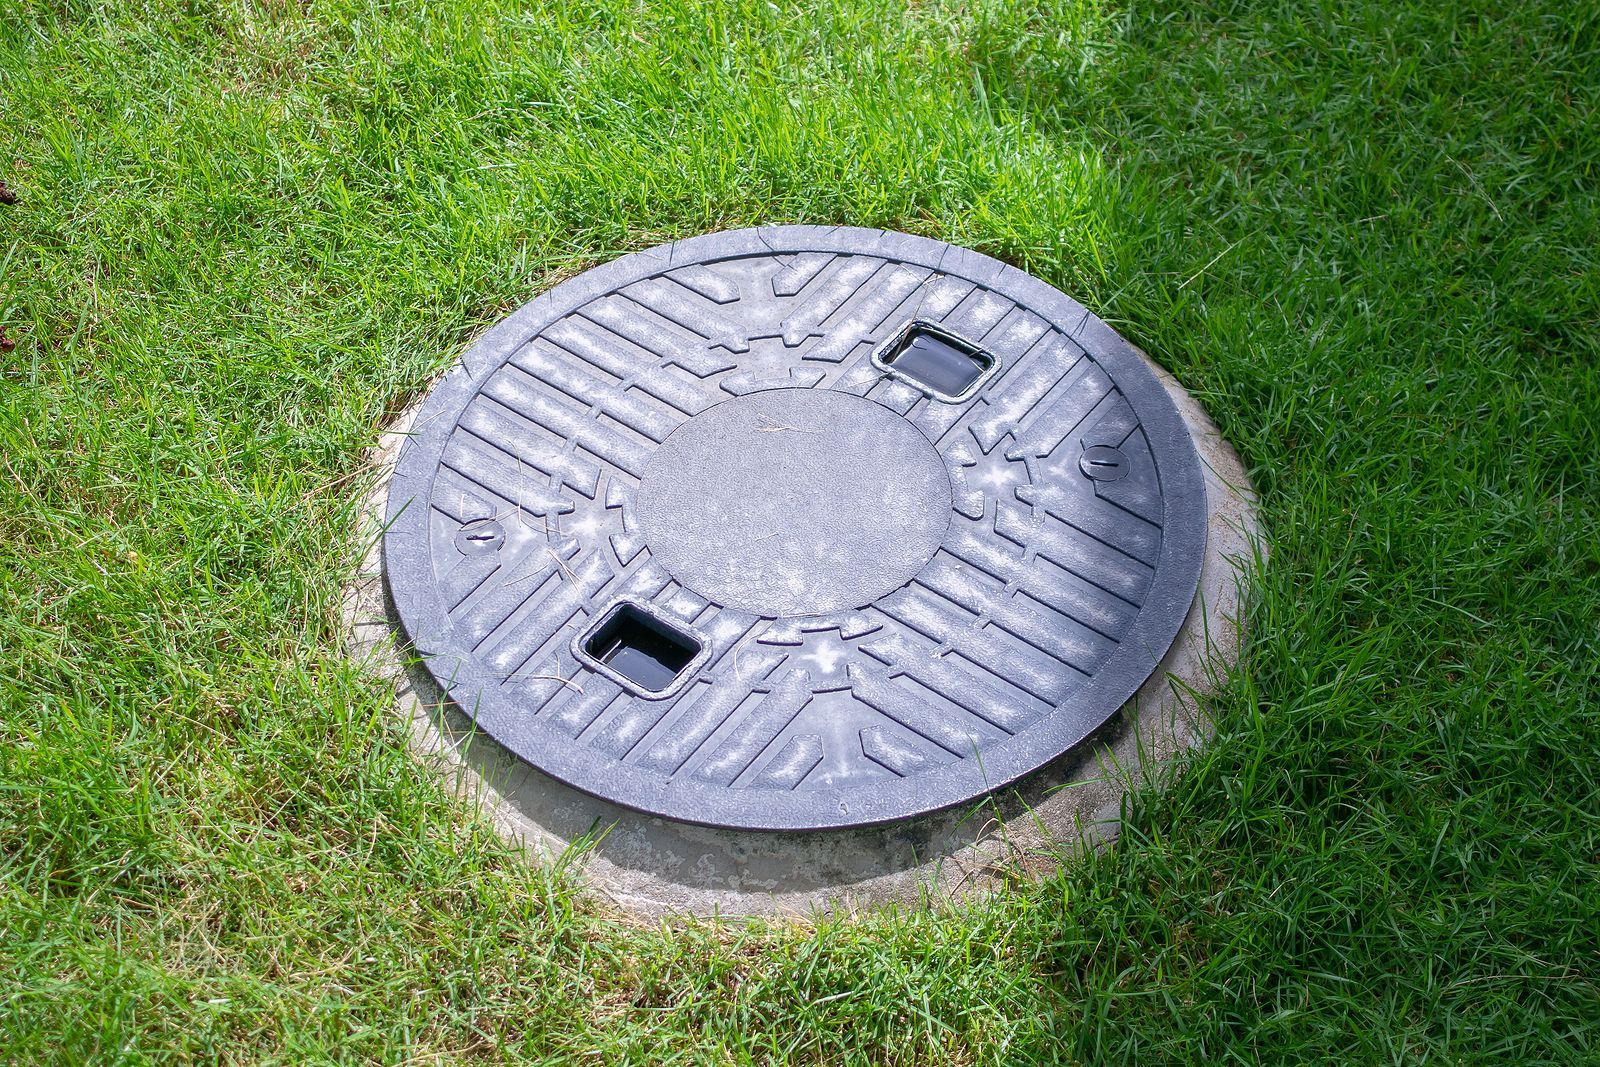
{"type": "Point", "coordinates": [651, 867]}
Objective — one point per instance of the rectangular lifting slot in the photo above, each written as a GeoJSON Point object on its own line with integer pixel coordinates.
{"type": "Point", "coordinates": [936, 361]}
{"type": "Point", "coordinates": [640, 647]}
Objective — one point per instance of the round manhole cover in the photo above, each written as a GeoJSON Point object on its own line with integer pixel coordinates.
{"type": "Point", "coordinates": [795, 528]}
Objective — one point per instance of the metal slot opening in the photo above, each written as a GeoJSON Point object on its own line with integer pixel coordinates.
{"type": "Point", "coordinates": [641, 648]}
{"type": "Point", "coordinates": [936, 361]}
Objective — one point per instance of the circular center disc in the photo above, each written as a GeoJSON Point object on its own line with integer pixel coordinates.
{"type": "Point", "coordinates": [795, 502]}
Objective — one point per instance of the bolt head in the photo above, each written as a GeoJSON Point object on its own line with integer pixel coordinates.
{"type": "Point", "coordinates": [481, 537]}
{"type": "Point", "coordinates": [1103, 463]}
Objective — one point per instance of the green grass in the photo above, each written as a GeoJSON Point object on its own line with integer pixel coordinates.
{"type": "Point", "coordinates": [1366, 234]}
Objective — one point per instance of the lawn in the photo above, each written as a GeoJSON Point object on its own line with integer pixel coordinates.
{"type": "Point", "coordinates": [1366, 234]}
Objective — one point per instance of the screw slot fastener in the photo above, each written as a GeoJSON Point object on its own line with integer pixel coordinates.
{"type": "Point", "coordinates": [1103, 463]}
{"type": "Point", "coordinates": [481, 537]}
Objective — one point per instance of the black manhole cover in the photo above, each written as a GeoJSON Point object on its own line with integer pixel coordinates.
{"type": "Point", "coordinates": [795, 528]}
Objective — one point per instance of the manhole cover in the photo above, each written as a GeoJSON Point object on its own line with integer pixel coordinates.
{"type": "Point", "coordinates": [795, 528]}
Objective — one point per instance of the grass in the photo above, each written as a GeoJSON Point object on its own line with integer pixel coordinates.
{"type": "Point", "coordinates": [1365, 233]}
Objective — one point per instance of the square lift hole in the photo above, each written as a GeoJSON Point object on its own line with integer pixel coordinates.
{"type": "Point", "coordinates": [936, 361]}
{"type": "Point", "coordinates": [636, 646]}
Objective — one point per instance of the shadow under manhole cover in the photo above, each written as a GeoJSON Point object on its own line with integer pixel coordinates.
{"type": "Point", "coordinates": [795, 529]}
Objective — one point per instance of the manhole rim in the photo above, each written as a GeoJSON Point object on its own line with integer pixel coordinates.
{"type": "Point", "coordinates": [1152, 632]}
